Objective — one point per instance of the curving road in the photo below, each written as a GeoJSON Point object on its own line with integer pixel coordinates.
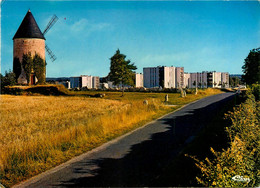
{"type": "Point", "coordinates": [137, 158]}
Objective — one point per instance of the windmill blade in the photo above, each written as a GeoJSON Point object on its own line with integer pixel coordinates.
{"type": "Point", "coordinates": [50, 24]}
{"type": "Point", "coordinates": [2, 2]}
{"type": "Point", "coordinates": [51, 54]}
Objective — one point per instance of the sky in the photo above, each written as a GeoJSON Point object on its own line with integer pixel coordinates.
{"type": "Point", "coordinates": [196, 35]}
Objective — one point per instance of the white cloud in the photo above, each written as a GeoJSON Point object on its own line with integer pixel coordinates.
{"type": "Point", "coordinates": [79, 25]}
{"type": "Point", "coordinates": [77, 29]}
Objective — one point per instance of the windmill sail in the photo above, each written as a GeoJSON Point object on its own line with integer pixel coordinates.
{"type": "Point", "coordinates": [52, 56]}
{"type": "Point", "coordinates": [2, 2]}
{"type": "Point", "coordinates": [50, 24]}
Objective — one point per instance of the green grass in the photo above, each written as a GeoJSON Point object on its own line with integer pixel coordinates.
{"type": "Point", "coordinates": [173, 98]}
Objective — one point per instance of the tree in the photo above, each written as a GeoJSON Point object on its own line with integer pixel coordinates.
{"type": "Point", "coordinates": [39, 68]}
{"type": "Point", "coordinates": [7, 80]}
{"type": "Point", "coordinates": [251, 67]}
{"type": "Point", "coordinates": [34, 65]}
{"type": "Point", "coordinates": [121, 70]}
{"type": "Point", "coordinates": [194, 83]}
{"type": "Point", "coordinates": [234, 81]}
{"type": "Point", "coordinates": [28, 66]}
{"type": "Point", "coordinates": [17, 67]}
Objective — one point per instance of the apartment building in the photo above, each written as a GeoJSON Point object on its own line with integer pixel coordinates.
{"type": "Point", "coordinates": [179, 77]}
{"type": "Point", "coordinates": [198, 79]}
{"type": "Point", "coordinates": [151, 77]}
{"type": "Point", "coordinates": [139, 80]}
{"type": "Point", "coordinates": [206, 79]}
{"type": "Point", "coordinates": [84, 81]}
{"type": "Point", "coordinates": [221, 79]}
{"type": "Point", "coordinates": [75, 82]}
{"type": "Point", "coordinates": [225, 79]}
{"type": "Point", "coordinates": [186, 80]}
{"type": "Point", "coordinates": [95, 82]}
{"type": "Point", "coordinates": [164, 77]}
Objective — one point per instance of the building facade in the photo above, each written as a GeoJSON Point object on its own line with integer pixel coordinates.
{"type": "Point", "coordinates": [186, 80]}
{"type": "Point", "coordinates": [163, 77]}
{"type": "Point", "coordinates": [207, 79]}
{"type": "Point", "coordinates": [95, 82]}
{"type": "Point", "coordinates": [179, 77]}
{"type": "Point", "coordinates": [139, 80]}
{"type": "Point", "coordinates": [151, 77]}
{"type": "Point", "coordinates": [84, 81]}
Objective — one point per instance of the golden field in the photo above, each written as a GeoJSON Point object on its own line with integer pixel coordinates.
{"type": "Point", "coordinates": [40, 132]}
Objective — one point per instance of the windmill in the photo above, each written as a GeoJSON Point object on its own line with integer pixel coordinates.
{"type": "Point", "coordinates": [52, 21]}
{"type": "Point", "coordinates": [30, 39]}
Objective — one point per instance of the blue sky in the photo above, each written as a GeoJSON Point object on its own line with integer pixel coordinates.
{"type": "Point", "coordinates": [198, 35]}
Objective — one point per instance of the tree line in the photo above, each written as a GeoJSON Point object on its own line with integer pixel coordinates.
{"type": "Point", "coordinates": [122, 70]}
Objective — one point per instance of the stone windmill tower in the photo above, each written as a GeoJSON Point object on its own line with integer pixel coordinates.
{"type": "Point", "coordinates": [29, 39]}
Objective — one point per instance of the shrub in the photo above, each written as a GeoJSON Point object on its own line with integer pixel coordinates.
{"type": "Point", "coordinates": [7, 80]}
{"type": "Point", "coordinates": [241, 159]}
{"type": "Point", "coordinates": [256, 91]}
{"type": "Point", "coordinates": [39, 68]}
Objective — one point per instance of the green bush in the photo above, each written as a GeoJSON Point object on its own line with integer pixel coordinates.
{"type": "Point", "coordinates": [256, 91]}
{"type": "Point", "coordinates": [238, 166]}
{"type": "Point", "coordinates": [7, 80]}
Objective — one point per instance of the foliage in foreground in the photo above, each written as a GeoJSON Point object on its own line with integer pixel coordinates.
{"type": "Point", "coordinates": [239, 165]}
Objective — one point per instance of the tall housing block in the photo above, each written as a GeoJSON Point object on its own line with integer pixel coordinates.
{"type": "Point", "coordinates": [151, 77]}
{"type": "Point", "coordinates": [179, 80]}
{"type": "Point", "coordinates": [164, 77]}
{"type": "Point", "coordinates": [139, 80]}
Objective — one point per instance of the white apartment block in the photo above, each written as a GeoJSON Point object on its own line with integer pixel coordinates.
{"type": "Point", "coordinates": [165, 77]}
{"type": "Point", "coordinates": [186, 80]}
{"type": "Point", "coordinates": [95, 82]}
{"type": "Point", "coordinates": [198, 79]}
{"type": "Point", "coordinates": [206, 79]}
{"type": "Point", "coordinates": [225, 79]}
{"type": "Point", "coordinates": [169, 77]}
{"type": "Point", "coordinates": [139, 80]}
{"type": "Point", "coordinates": [217, 80]}
{"type": "Point", "coordinates": [221, 79]}
{"type": "Point", "coordinates": [84, 81]}
{"type": "Point", "coordinates": [179, 77]}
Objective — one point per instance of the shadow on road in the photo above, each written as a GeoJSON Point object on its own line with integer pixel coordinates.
{"type": "Point", "coordinates": [146, 160]}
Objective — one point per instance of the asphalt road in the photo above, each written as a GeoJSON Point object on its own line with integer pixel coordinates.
{"type": "Point", "coordinates": [137, 158]}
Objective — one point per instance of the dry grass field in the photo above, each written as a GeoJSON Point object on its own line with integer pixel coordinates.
{"type": "Point", "coordinates": [40, 132]}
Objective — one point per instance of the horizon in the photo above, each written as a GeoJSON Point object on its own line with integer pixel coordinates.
{"type": "Point", "coordinates": [199, 36]}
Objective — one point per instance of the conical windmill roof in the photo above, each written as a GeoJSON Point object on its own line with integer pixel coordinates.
{"type": "Point", "coordinates": [29, 28]}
